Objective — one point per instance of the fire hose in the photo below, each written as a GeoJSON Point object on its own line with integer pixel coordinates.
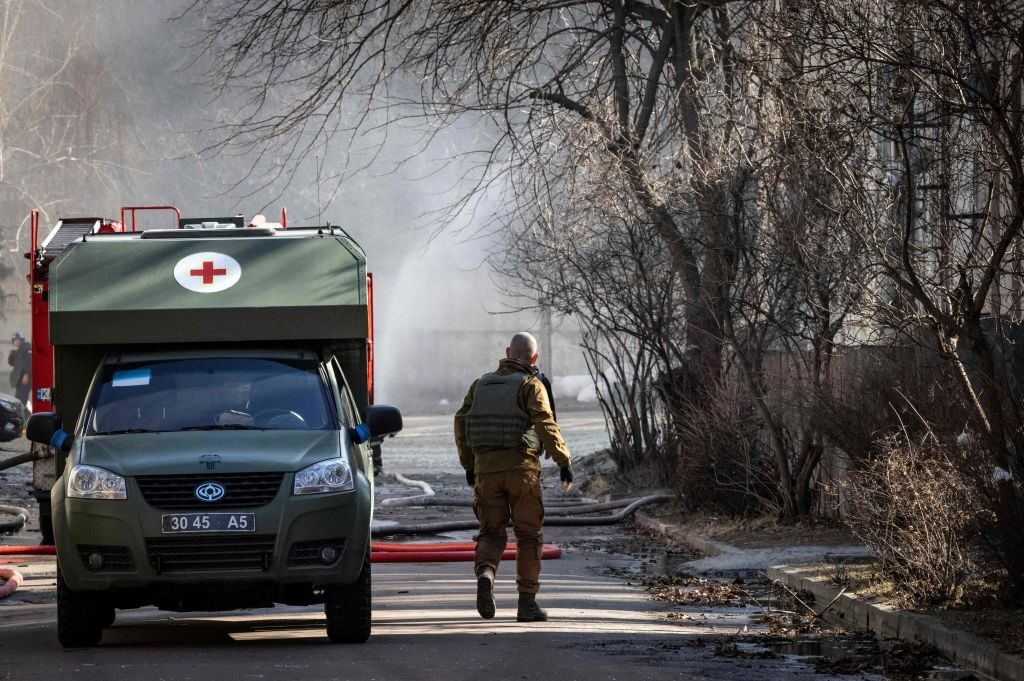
{"type": "Point", "coordinates": [15, 524]}
{"type": "Point", "coordinates": [20, 514]}
{"type": "Point", "coordinates": [428, 492]}
{"type": "Point", "coordinates": [429, 498]}
{"type": "Point", "coordinates": [455, 525]}
{"type": "Point", "coordinates": [425, 501]}
{"type": "Point", "coordinates": [20, 459]}
{"type": "Point", "coordinates": [27, 550]}
{"type": "Point", "coordinates": [380, 552]}
{"type": "Point", "coordinates": [14, 580]}
{"type": "Point", "coordinates": [388, 552]}
{"type": "Point", "coordinates": [551, 508]}
{"type": "Point", "coordinates": [449, 552]}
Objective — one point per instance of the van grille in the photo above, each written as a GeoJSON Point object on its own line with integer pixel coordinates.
{"type": "Point", "coordinates": [178, 492]}
{"type": "Point", "coordinates": [197, 554]}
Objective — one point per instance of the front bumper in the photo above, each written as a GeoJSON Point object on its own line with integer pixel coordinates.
{"type": "Point", "coordinates": [281, 551]}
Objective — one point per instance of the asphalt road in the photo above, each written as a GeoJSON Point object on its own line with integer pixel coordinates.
{"type": "Point", "coordinates": [425, 625]}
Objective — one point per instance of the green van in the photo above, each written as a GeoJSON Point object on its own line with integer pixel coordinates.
{"type": "Point", "coordinates": [219, 449]}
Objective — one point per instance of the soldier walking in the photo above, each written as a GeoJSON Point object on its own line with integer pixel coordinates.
{"type": "Point", "coordinates": [20, 359]}
{"type": "Point", "coordinates": [500, 430]}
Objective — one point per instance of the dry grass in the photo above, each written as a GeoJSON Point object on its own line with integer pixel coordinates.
{"type": "Point", "coordinates": [862, 579]}
{"type": "Point", "coordinates": [987, 618]}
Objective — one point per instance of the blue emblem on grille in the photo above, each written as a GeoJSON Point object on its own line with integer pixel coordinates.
{"type": "Point", "coordinates": [209, 491]}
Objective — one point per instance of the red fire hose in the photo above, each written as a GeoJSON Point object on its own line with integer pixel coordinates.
{"type": "Point", "coordinates": [28, 551]}
{"type": "Point", "coordinates": [384, 546]}
{"type": "Point", "coordinates": [549, 552]}
{"type": "Point", "coordinates": [13, 578]}
{"type": "Point", "coordinates": [381, 552]}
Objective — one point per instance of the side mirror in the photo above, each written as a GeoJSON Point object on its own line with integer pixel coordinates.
{"type": "Point", "coordinates": [44, 428]}
{"type": "Point", "coordinates": [384, 420]}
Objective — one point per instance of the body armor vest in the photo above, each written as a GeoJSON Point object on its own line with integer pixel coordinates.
{"type": "Point", "coordinates": [495, 419]}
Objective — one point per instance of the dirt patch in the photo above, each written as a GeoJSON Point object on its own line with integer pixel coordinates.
{"type": "Point", "coordinates": [764, 533]}
{"type": "Point", "coordinates": [783, 612]}
{"type": "Point", "coordinates": [687, 590]}
{"type": "Point", "coordinates": [753, 533]}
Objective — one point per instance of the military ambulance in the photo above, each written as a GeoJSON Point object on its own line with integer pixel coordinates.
{"type": "Point", "coordinates": [211, 419]}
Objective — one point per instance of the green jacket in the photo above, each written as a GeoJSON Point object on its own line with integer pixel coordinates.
{"type": "Point", "coordinates": [533, 401]}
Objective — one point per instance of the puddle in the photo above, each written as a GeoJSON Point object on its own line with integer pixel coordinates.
{"type": "Point", "coordinates": [829, 648]}
{"type": "Point", "coordinates": [660, 563]}
{"type": "Point", "coordinates": [893, 660]}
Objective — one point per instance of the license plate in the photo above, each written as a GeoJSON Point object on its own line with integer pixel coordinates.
{"type": "Point", "coordinates": [209, 522]}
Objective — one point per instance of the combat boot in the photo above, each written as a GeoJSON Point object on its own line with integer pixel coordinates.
{"type": "Point", "coordinates": [485, 593]}
{"type": "Point", "coordinates": [529, 611]}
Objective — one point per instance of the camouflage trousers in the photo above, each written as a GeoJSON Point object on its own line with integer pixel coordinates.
{"type": "Point", "coordinates": [510, 496]}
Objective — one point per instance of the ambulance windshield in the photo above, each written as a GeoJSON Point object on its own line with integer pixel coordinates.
{"type": "Point", "coordinates": [216, 393]}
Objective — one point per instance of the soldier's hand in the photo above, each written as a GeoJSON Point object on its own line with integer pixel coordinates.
{"type": "Point", "coordinates": [566, 476]}
{"type": "Point", "coordinates": [470, 478]}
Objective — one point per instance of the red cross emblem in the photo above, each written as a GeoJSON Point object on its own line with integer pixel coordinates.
{"type": "Point", "coordinates": [208, 272]}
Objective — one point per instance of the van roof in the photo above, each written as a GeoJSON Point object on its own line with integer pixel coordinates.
{"type": "Point", "coordinates": [209, 286]}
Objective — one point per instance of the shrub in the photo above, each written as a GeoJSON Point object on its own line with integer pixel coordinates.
{"type": "Point", "coordinates": [921, 515]}
{"type": "Point", "coordinates": [722, 465]}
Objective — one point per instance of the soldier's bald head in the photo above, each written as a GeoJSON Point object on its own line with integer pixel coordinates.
{"type": "Point", "coordinates": [522, 347]}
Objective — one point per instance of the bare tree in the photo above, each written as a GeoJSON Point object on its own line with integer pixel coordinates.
{"type": "Point", "coordinates": [62, 119]}
{"type": "Point", "coordinates": [580, 92]}
{"type": "Point", "coordinates": [613, 276]}
{"type": "Point", "coordinates": [935, 88]}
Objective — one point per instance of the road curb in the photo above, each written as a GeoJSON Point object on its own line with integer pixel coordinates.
{"type": "Point", "coordinates": [706, 546]}
{"type": "Point", "coordinates": [965, 649]}
{"type": "Point", "coordinates": [961, 647]}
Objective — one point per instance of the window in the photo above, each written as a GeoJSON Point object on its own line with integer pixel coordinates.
{"type": "Point", "coordinates": [217, 393]}
{"type": "Point", "coordinates": [348, 407]}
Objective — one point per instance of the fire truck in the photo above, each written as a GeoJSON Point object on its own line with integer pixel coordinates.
{"type": "Point", "coordinates": [204, 417]}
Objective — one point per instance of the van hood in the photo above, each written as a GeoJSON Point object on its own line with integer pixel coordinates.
{"type": "Point", "coordinates": [192, 452]}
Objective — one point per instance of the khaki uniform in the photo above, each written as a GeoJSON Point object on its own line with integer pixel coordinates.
{"type": "Point", "coordinates": [507, 477]}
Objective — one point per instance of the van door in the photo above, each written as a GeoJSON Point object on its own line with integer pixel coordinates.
{"type": "Point", "coordinates": [349, 414]}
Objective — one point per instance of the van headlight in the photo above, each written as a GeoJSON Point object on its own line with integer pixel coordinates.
{"type": "Point", "coordinates": [90, 482]}
{"type": "Point", "coordinates": [333, 475]}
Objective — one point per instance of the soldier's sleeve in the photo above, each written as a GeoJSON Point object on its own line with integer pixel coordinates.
{"type": "Point", "coordinates": [465, 453]}
{"type": "Point", "coordinates": [544, 423]}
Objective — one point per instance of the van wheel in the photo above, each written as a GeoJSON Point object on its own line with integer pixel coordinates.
{"type": "Point", "coordinates": [79, 616]}
{"type": "Point", "coordinates": [347, 607]}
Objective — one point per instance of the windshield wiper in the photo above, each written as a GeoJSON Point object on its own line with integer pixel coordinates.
{"type": "Point", "coordinates": [222, 426]}
{"type": "Point", "coordinates": [127, 430]}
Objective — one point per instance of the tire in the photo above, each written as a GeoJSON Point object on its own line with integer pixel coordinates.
{"type": "Point", "coordinates": [45, 519]}
{"type": "Point", "coordinates": [80, 616]}
{"type": "Point", "coordinates": [348, 608]}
